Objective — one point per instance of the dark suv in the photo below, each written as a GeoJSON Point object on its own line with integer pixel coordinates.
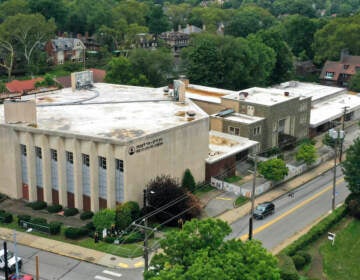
{"type": "Point", "coordinates": [264, 209]}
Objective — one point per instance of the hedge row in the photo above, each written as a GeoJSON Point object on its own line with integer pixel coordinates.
{"type": "Point", "coordinates": [76, 233]}
{"type": "Point", "coordinates": [316, 232]}
{"type": "Point", "coordinates": [86, 215]}
{"type": "Point", "coordinates": [287, 268]}
{"type": "Point", "coordinates": [37, 205]}
{"type": "Point", "coordinates": [54, 208]}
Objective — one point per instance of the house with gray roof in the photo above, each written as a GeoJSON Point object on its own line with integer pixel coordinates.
{"type": "Point", "coordinates": [62, 50]}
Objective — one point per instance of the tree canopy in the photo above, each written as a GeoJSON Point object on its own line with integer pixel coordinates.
{"type": "Point", "coordinates": [273, 169]}
{"type": "Point", "coordinates": [199, 251]}
{"type": "Point", "coordinates": [351, 167]}
{"type": "Point", "coordinates": [306, 153]}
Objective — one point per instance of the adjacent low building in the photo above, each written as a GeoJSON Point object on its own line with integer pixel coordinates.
{"type": "Point", "coordinates": [94, 148]}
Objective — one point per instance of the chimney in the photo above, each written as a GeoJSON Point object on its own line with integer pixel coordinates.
{"type": "Point", "coordinates": [179, 90]}
{"type": "Point", "coordinates": [343, 54]}
{"type": "Point", "coordinates": [184, 80]}
{"type": "Point", "coordinates": [86, 35]}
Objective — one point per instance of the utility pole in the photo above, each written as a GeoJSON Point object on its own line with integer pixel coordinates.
{"type": "Point", "coordinates": [343, 129]}
{"type": "Point", "coordinates": [146, 250]}
{"type": "Point", "coordinates": [6, 269]}
{"type": "Point", "coordinates": [334, 180]}
{"type": "Point", "coordinates": [252, 198]}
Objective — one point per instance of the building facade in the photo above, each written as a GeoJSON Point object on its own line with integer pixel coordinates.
{"type": "Point", "coordinates": [91, 156]}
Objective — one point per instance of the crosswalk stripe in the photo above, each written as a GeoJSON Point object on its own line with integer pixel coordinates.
{"type": "Point", "coordinates": [102, 277]}
{"type": "Point", "coordinates": [112, 273]}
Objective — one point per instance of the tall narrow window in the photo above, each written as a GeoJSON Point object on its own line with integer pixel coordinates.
{"type": "Point", "coordinates": [24, 169]}
{"type": "Point", "coordinates": [54, 169]}
{"type": "Point", "coordinates": [39, 175]}
{"type": "Point", "coordinates": [70, 172]}
{"type": "Point", "coordinates": [102, 177]}
{"type": "Point", "coordinates": [119, 180]}
{"type": "Point", "coordinates": [86, 174]}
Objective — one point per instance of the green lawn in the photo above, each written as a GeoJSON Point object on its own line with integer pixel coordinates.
{"type": "Point", "coordinates": [233, 179]}
{"type": "Point", "coordinates": [204, 189]}
{"type": "Point", "coordinates": [341, 261]}
{"type": "Point", "coordinates": [241, 200]}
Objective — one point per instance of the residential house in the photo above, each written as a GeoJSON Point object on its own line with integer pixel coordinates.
{"type": "Point", "coordinates": [63, 50]}
{"type": "Point", "coordinates": [338, 73]}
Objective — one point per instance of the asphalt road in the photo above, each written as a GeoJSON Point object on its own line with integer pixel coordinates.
{"type": "Point", "coordinates": [310, 202]}
{"type": "Point", "coordinates": [56, 267]}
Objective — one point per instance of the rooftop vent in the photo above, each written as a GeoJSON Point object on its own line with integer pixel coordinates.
{"type": "Point", "coordinates": [286, 93]}
{"type": "Point", "coordinates": [191, 113]}
{"type": "Point", "coordinates": [243, 95]}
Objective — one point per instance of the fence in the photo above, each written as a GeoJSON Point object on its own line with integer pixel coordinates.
{"type": "Point", "coordinates": [33, 226]}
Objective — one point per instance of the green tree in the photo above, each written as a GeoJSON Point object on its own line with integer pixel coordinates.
{"type": "Point", "coordinates": [273, 169]}
{"type": "Point", "coordinates": [284, 66]}
{"type": "Point", "coordinates": [336, 35]}
{"type": "Point", "coordinates": [351, 167]}
{"type": "Point", "coordinates": [119, 71]}
{"type": "Point", "coordinates": [164, 189]}
{"type": "Point", "coordinates": [157, 21]}
{"type": "Point", "coordinates": [7, 50]}
{"type": "Point", "coordinates": [199, 251]}
{"type": "Point", "coordinates": [306, 153]}
{"type": "Point", "coordinates": [210, 17]}
{"type": "Point", "coordinates": [354, 84]}
{"type": "Point", "coordinates": [30, 31]}
{"type": "Point", "coordinates": [50, 9]}
{"type": "Point", "coordinates": [126, 214]}
{"type": "Point", "coordinates": [177, 13]}
{"type": "Point", "coordinates": [249, 19]}
{"type": "Point", "coordinates": [188, 181]}
{"type": "Point", "coordinates": [104, 219]}
{"type": "Point", "coordinates": [13, 7]}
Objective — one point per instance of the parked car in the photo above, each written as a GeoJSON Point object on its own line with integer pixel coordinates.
{"type": "Point", "coordinates": [264, 209]}
{"type": "Point", "coordinates": [21, 277]}
{"type": "Point", "coordinates": [11, 260]}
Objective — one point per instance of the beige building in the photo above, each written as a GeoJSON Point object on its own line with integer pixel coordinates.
{"type": "Point", "coordinates": [92, 149]}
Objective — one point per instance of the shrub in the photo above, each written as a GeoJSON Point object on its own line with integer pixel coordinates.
{"type": "Point", "coordinates": [23, 218]}
{"type": "Point", "coordinates": [6, 218]}
{"type": "Point", "coordinates": [55, 227]}
{"type": "Point", "coordinates": [352, 203]}
{"type": "Point", "coordinates": [305, 255]}
{"type": "Point", "coordinates": [38, 205]}
{"type": "Point", "coordinates": [70, 212]}
{"type": "Point", "coordinates": [75, 233]}
{"type": "Point", "coordinates": [287, 268]}
{"type": "Point", "coordinates": [299, 261]}
{"type": "Point", "coordinates": [104, 219]}
{"type": "Point", "coordinates": [54, 208]}
{"type": "Point", "coordinates": [109, 239]}
{"type": "Point", "coordinates": [86, 215]}
{"type": "Point", "coordinates": [39, 221]}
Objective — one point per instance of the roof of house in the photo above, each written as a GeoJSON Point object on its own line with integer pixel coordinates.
{"type": "Point", "coordinates": [17, 86]}
{"type": "Point", "coordinates": [189, 29]}
{"type": "Point", "coordinates": [65, 44]}
{"type": "Point", "coordinates": [348, 65]}
{"type": "Point", "coordinates": [117, 112]}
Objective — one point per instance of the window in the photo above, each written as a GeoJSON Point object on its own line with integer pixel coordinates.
{"type": "Point", "coordinates": [346, 66]}
{"type": "Point", "coordinates": [256, 130]}
{"type": "Point", "coordinates": [23, 150]}
{"type": "Point", "coordinates": [303, 119]}
{"type": "Point", "coordinates": [102, 162]}
{"type": "Point", "coordinates": [234, 130]}
{"type": "Point", "coordinates": [86, 160]}
{"type": "Point", "coordinates": [53, 154]}
{"type": "Point", "coordinates": [329, 75]}
{"type": "Point", "coordinates": [69, 157]}
{"type": "Point", "coordinates": [119, 165]}
{"type": "Point", "coordinates": [38, 152]}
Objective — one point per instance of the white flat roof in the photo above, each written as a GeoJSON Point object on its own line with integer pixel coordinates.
{"type": "Point", "coordinates": [332, 108]}
{"type": "Point", "coordinates": [208, 94]}
{"type": "Point", "coordinates": [315, 91]}
{"type": "Point", "coordinates": [223, 145]}
{"type": "Point", "coordinates": [242, 118]}
{"type": "Point", "coordinates": [118, 112]}
{"type": "Point", "coordinates": [262, 96]}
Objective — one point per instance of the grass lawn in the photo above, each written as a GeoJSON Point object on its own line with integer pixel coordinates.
{"type": "Point", "coordinates": [341, 261]}
{"type": "Point", "coordinates": [233, 179]}
{"type": "Point", "coordinates": [241, 200]}
{"type": "Point", "coordinates": [204, 189]}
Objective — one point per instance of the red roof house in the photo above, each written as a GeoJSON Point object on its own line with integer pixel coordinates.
{"type": "Point", "coordinates": [22, 87]}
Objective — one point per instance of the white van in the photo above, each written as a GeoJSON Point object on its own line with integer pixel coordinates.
{"type": "Point", "coordinates": [10, 260]}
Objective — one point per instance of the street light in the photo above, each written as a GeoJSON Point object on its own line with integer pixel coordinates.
{"type": "Point", "coordinates": [335, 135]}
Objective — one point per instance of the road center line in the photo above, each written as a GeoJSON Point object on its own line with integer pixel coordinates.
{"type": "Point", "coordinates": [301, 204]}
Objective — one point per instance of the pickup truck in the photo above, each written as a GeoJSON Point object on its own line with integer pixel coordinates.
{"type": "Point", "coordinates": [10, 260]}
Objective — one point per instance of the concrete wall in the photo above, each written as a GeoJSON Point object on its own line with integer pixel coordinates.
{"type": "Point", "coordinates": [208, 107]}
{"type": "Point", "coordinates": [20, 111]}
{"type": "Point", "coordinates": [217, 168]}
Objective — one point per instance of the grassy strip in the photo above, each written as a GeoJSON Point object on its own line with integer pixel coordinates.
{"type": "Point", "coordinates": [241, 200]}
{"type": "Point", "coordinates": [233, 179]}
{"type": "Point", "coordinates": [123, 250]}
{"type": "Point", "coordinates": [204, 189]}
{"type": "Point", "coordinates": [341, 260]}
